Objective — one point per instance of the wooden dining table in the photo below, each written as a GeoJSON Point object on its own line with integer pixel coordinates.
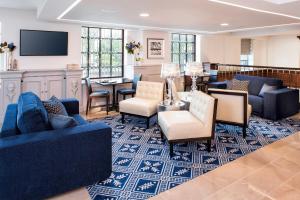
{"type": "Point", "coordinates": [113, 82]}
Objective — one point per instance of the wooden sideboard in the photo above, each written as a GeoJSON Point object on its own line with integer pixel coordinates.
{"type": "Point", "coordinates": [45, 83]}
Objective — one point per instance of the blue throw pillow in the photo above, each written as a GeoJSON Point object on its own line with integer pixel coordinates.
{"type": "Point", "coordinates": [32, 115]}
{"type": "Point", "coordinates": [267, 88]}
{"type": "Point", "coordinates": [54, 106]}
{"type": "Point", "coordinates": [61, 121]}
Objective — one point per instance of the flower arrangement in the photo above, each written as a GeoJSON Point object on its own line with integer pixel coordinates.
{"type": "Point", "coordinates": [4, 47]}
{"type": "Point", "coordinates": [133, 47]}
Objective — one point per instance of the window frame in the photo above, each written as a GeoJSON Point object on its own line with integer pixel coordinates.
{"type": "Point", "coordinates": [186, 48]}
{"type": "Point", "coordinates": [99, 52]}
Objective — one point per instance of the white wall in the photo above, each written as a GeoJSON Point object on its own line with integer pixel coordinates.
{"type": "Point", "coordinates": [220, 49]}
{"type": "Point", "coordinates": [260, 51]}
{"type": "Point", "coordinates": [280, 51]}
{"type": "Point", "coordinates": [13, 20]}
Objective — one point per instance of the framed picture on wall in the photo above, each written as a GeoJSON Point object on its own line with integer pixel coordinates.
{"type": "Point", "coordinates": [155, 48]}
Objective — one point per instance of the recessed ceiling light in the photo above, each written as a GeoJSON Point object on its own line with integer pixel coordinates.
{"type": "Point", "coordinates": [224, 24]}
{"type": "Point", "coordinates": [281, 1]}
{"type": "Point", "coordinates": [144, 15]}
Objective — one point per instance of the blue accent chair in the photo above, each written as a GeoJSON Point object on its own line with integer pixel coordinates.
{"type": "Point", "coordinates": [129, 91]}
{"type": "Point", "coordinates": [274, 105]}
{"type": "Point", "coordinates": [46, 163]}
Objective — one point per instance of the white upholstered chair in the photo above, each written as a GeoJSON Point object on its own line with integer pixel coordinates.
{"type": "Point", "coordinates": [233, 107]}
{"type": "Point", "coordinates": [144, 104]}
{"type": "Point", "coordinates": [196, 124]}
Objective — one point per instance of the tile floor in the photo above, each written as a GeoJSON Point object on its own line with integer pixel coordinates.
{"type": "Point", "coordinates": [270, 173]}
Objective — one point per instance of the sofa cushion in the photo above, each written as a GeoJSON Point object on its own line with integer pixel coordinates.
{"type": "Point", "coordinates": [257, 104]}
{"type": "Point", "coordinates": [174, 125]}
{"type": "Point", "coordinates": [54, 106]}
{"type": "Point", "coordinates": [240, 85]}
{"type": "Point", "coordinates": [79, 119]}
{"type": "Point", "coordinates": [257, 82]}
{"type": "Point", "coordinates": [32, 115]}
{"type": "Point", "coordinates": [61, 121]}
{"type": "Point", "coordinates": [139, 106]}
{"type": "Point", "coordinates": [267, 88]}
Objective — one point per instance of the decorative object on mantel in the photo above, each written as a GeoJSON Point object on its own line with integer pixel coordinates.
{"type": "Point", "coordinates": [194, 70]}
{"type": "Point", "coordinates": [72, 66]}
{"type": "Point", "coordinates": [7, 61]}
{"type": "Point", "coordinates": [170, 71]}
{"type": "Point", "coordinates": [155, 48]}
{"type": "Point", "coordinates": [134, 48]}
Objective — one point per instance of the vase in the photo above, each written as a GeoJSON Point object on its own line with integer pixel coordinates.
{"type": "Point", "coordinates": [10, 61]}
{"type": "Point", "coordinates": [1, 61]}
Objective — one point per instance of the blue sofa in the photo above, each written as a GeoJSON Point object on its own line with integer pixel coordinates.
{"type": "Point", "coordinates": [46, 163]}
{"type": "Point", "coordinates": [276, 104]}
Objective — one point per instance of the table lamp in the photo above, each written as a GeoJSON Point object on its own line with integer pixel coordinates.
{"type": "Point", "coordinates": [170, 71]}
{"type": "Point", "coordinates": [194, 70]}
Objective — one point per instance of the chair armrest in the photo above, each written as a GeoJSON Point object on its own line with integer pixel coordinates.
{"type": "Point", "coordinates": [220, 85]}
{"type": "Point", "coordinates": [281, 103]}
{"type": "Point", "coordinates": [9, 127]}
{"type": "Point", "coordinates": [42, 161]}
{"type": "Point", "coordinates": [71, 105]}
{"type": "Point", "coordinates": [227, 92]}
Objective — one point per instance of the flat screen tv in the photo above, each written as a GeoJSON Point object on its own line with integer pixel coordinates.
{"type": "Point", "coordinates": [43, 43]}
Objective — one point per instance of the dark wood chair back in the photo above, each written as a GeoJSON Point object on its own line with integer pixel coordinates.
{"type": "Point", "coordinates": [89, 86]}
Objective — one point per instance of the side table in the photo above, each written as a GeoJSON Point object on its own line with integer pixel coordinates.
{"type": "Point", "coordinates": [166, 106]}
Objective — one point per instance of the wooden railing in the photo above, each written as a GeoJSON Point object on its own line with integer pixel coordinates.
{"type": "Point", "coordinates": [289, 76]}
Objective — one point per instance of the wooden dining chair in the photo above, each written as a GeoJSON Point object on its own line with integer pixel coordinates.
{"type": "Point", "coordinates": [95, 94]}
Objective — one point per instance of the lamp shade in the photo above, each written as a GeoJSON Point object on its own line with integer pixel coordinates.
{"type": "Point", "coordinates": [170, 70]}
{"type": "Point", "coordinates": [194, 69]}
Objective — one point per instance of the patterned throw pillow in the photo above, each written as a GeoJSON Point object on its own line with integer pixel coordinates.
{"type": "Point", "coordinates": [240, 85]}
{"type": "Point", "coordinates": [54, 106]}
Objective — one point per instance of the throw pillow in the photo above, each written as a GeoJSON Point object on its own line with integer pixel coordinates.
{"type": "Point", "coordinates": [266, 88]}
{"type": "Point", "coordinates": [54, 106]}
{"type": "Point", "coordinates": [240, 85]}
{"type": "Point", "coordinates": [61, 121]}
{"type": "Point", "coordinates": [32, 115]}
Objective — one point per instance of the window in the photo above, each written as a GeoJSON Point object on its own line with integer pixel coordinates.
{"type": "Point", "coordinates": [183, 48]}
{"type": "Point", "coordinates": [102, 52]}
{"type": "Point", "coordinates": [246, 57]}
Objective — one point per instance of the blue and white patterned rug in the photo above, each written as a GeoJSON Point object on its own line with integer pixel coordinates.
{"type": "Point", "coordinates": [142, 167]}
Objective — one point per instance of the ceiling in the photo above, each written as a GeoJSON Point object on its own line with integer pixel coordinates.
{"type": "Point", "coordinates": [189, 15]}
{"type": "Point", "coordinates": [21, 4]}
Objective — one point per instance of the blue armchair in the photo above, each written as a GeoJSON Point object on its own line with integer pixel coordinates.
{"type": "Point", "coordinates": [43, 164]}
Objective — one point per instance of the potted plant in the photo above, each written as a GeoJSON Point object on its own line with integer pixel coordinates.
{"type": "Point", "coordinates": [6, 51]}
{"type": "Point", "coordinates": [134, 48]}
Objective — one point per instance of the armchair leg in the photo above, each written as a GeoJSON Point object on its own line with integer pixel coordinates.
{"type": "Point", "coordinates": [209, 145]}
{"type": "Point", "coordinates": [244, 131]}
{"type": "Point", "coordinates": [87, 106]}
{"type": "Point", "coordinates": [171, 149]}
{"type": "Point", "coordinates": [161, 134]}
{"type": "Point", "coordinates": [107, 104]}
{"type": "Point", "coordinates": [124, 96]}
{"type": "Point", "coordinates": [148, 122]}
{"type": "Point", "coordinates": [123, 118]}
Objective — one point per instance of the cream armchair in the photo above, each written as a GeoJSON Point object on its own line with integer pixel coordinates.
{"type": "Point", "coordinates": [144, 104]}
{"type": "Point", "coordinates": [233, 107]}
{"type": "Point", "coordinates": [196, 124]}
